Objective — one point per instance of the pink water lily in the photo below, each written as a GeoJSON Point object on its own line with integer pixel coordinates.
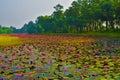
{"type": "Point", "coordinates": [31, 52]}
{"type": "Point", "coordinates": [105, 68]}
{"type": "Point", "coordinates": [81, 75]}
{"type": "Point", "coordinates": [77, 56]}
{"type": "Point", "coordinates": [19, 75]}
{"type": "Point", "coordinates": [40, 55]}
{"type": "Point", "coordinates": [1, 64]}
{"type": "Point", "coordinates": [10, 60]}
{"type": "Point", "coordinates": [113, 56]}
{"type": "Point", "coordinates": [85, 66]}
{"type": "Point", "coordinates": [7, 67]}
{"type": "Point", "coordinates": [18, 67]}
{"type": "Point", "coordinates": [30, 72]}
{"type": "Point", "coordinates": [50, 61]}
{"type": "Point", "coordinates": [76, 69]}
{"type": "Point", "coordinates": [94, 75]}
{"type": "Point", "coordinates": [64, 70]}
{"type": "Point", "coordinates": [105, 61]}
{"type": "Point", "coordinates": [97, 57]}
{"type": "Point", "coordinates": [0, 55]}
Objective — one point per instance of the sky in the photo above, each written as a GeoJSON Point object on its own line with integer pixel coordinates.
{"type": "Point", "coordinates": [18, 12]}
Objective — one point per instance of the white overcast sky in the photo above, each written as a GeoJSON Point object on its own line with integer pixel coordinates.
{"type": "Point", "coordinates": [18, 12]}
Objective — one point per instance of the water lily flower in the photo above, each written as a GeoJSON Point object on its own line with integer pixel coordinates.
{"type": "Point", "coordinates": [64, 70]}
{"type": "Point", "coordinates": [40, 55]}
{"type": "Point", "coordinates": [19, 75]}
{"type": "Point", "coordinates": [10, 60]}
{"type": "Point", "coordinates": [97, 57]}
{"type": "Point", "coordinates": [31, 52]}
{"type": "Point", "coordinates": [105, 68]}
{"type": "Point", "coordinates": [1, 56]}
{"type": "Point", "coordinates": [77, 56]}
{"type": "Point", "coordinates": [105, 61]}
{"type": "Point", "coordinates": [50, 61]}
{"type": "Point", "coordinates": [85, 66]}
{"type": "Point", "coordinates": [94, 75]}
{"type": "Point", "coordinates": [1, 64]}
{"type": "Point", "coordinates": [17, 67]}
{"type": "Point", "coordinates": [107, 47]}
{"type": "Point", "coordinates": [7, 67]}
{"type": "Point", "coordinates": [113, 56]}
{"type": "Point", "coordinates": [76, 69]}
{"type": "Point", "coordinates": [81, 75]}
{"type": "Point", "coordinates": [30, 72]}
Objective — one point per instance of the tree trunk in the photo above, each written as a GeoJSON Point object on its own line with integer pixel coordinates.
{"type": "Point", "coordinates": [112, 25]}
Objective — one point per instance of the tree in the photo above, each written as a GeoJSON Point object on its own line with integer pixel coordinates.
{"type": "Point", "coordinates": [5, 30]}
{"type": "Point", "coordinates": [82, 15]}
{"type": "Point", "coordinates": [30, 28]}
{"type": "Point", "coordinates": [58, 19]}
{"type": "Point", "coordinates": [74, 17]}
{"type": "Point", "coordinates": [107, 9]}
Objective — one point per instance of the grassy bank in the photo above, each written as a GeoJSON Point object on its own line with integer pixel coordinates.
{"type": "Point", "coordinates": [102, 34]}
{"type": "Point", "coordinates": [97, 34]}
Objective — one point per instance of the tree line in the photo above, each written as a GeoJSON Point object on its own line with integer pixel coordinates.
{"type": "Point", "coordinates": [5, 30]}
{"type": "Point", "coordinates": [81, 16]}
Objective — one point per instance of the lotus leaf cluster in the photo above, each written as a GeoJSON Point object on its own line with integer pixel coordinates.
{"type": "Point", "coordinates": [42, 57]}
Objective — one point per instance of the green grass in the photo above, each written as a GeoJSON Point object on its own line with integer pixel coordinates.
{"type": "Point", "coordinates": [97, 34]}
{"type": "Point", "coordinates": [102, 34]}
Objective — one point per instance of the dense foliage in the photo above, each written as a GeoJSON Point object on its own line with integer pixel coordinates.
{"type": "Point", "coordinates": [5, 30]}
{"type": "Point", "coordinates": [82, 15]}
